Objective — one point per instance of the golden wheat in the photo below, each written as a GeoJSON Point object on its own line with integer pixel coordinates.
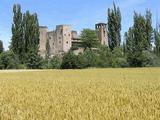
{"type": "Point", "coordinates": [93, 94]}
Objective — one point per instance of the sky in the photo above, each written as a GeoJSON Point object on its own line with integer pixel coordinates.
{"type": "Point", "coordinates": [77, 13]}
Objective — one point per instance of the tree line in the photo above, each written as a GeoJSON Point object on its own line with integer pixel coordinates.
{"type": "Point", "coordinates": [136, 51]}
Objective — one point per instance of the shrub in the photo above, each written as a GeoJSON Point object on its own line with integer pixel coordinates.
{"type": "Point", "coordinates": [8, 60]}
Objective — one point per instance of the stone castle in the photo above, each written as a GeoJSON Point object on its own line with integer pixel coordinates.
{"type": "Point", "coordinates": [63, 38]}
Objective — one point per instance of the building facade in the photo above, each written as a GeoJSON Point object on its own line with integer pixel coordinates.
{"type": "Point", "coordinates": [63, 38]}
{"type": "Point", "coordinates": [102, 33]}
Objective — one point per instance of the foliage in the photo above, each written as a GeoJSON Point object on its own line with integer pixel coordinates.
{"type": "Point", "coordinates": [25, 33]}
{"type": "Point", "coordinates": [34, 60]}
{"type": "Point", "coordinates": [89, 38]}
{"type": "Point", "coordinates": [157, 42]}
{"type": "Point", "coordinates": [118, 58]}
{"type": "Point", "coordinates": [55, 62]}
{"type": "Point", "coordinates": [17, 41]}
{"type": "Point", "coordinates": [47, 49]}
{"type": "Point", "coordinates": [8, 60]}
{"type": "Point", "coordinates": [114, 27]}
{"type": "Point", "coordinates": [69, 61]}
{"type": "Point", "coordinates": [138, 41]}
{"type": "Point", "coordinates": [1, 46]}
{"type": "Point", "coordinates": [90, 58]}
{"type": "Point", "coordinates": [31, 32]}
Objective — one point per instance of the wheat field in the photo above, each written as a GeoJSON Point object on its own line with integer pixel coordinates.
{"type": "Point", "coordinates": [91, 94]}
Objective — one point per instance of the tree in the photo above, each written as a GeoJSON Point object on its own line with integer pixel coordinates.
{"type": "Point", "coordinates": [89, 38]}
{"type": "Point", "coordinates": [8, 60]}
{"type": "Point", "coordinates": [25, 33]}
{"type": "Point", "coordinates": [157, 42]}
{"type": "Point", "coordinates": [1, 46]}
{"type": "Point", "coordinates": [17, 43]}
{"type": "Point", "coordinates": [55, 62]}
{"type": "Point", "coordinates": [90, 58]}
{"type": "Point", "coordinates": [149, 30]}
{"type": "Point", "coordinates": [138, 41]}
{"type": "Point", "coordinates": [34, 60]}
{"type": "Point", "coordinates": [31, 32]}
{"type": "Point", "coordinates": [118, 59]}
{"type": "Point", "coordinates": [104, 57]}
{"type": "Point", "coordinates": [69, 61]}
{"type": "Point", "coordinates": [47, 49]}
{"type": "Point", "coordinates": [114, 27]}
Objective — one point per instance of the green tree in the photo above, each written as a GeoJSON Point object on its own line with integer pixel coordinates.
{"type": "Point", "coordinates": [31, 32]}
{"type": "Point", "coordinates": [34, 60]}
{"type": "Point", "coordinates": [69, 61]}
{"type": "Point", "coordinates": [1, 46]}
{"type": "Point", "coordinates": [118, 59]}
{"type": "Point", "coordinates": [55, 62]}
{"type": "Point", "coordinates": [149, 30]}
{"type": "Point", "coordinates": [47, 49]}
{"type": "Point", "coordinates": [104, 57]}
{"type": "Point", "coordinates": [8, 60]}
{"type": "Point", "coordinates": [157, 42]}
{"type": "Point", "coordinates": [114, 27]}
{"type": "Point", "coordinates": [138, 41]}
{"type": "Point", "coordinates": [89, 38]}
{"type": "Point", "coordinates": [90, 58]}
{"type": "Point", "coordinates": [17, 32]}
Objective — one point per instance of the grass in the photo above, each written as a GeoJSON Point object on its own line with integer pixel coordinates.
{"type": "Point", "coordinates": [93, 94]}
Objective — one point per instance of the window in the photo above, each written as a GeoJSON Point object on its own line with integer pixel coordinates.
{"type": "Point", "coordinates": [67, 42]}
{"type": "Point", "coordinates": [53, 43]}
{"type": "Point", "coordinates": [69, 35]}
{"type": "Point", "coordinates": [59, 42]}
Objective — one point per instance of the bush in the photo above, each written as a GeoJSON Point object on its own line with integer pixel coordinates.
{"type": "Point", "coordinates": [69, 61]}
{"type": "Point", "coordinates": [55, 62]}
{"type": "Point", "coordinates": [8, 60]}
{"type": "Point", "coordinates": [34, 61]}
{"type": "Point", "coordinates": [90, 58]}
{"type": "Point", "coordinates": [118, 59]}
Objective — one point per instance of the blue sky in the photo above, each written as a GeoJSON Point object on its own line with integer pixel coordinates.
{"type": "Point", "coordinates": [78, 13]}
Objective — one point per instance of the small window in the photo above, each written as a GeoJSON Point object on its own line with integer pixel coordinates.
{"type": "Point", "coordinates": [53, 43]}
{"type": "Point", "coordinates": [59, 42]}
{"type": "Point", "coordinates": [69, 35]}
{"type": "Point", "coordinates": [59, 37]}
{"type": "Point", "coordinates": [64, 34]}
{"type": "Point", "coordinates": [67, 42]}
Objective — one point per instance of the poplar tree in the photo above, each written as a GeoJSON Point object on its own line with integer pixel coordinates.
{"type": "Point", "coordinates": [1, 47]}
{"type": "Point", "coordinates": [17, 32]}
{"type": "Point", "coordinates": [31, 32]}
{"type": "Point", "coordinates": [114, 27]}
{"type": "Point", "coordinates": [149, 30]}
{"type": "Point", "coordinates": [138, 41]}
{"type": "Point", "coordinates": [157, 42]}
{"type": "Point", "coordinates": [47, 49]}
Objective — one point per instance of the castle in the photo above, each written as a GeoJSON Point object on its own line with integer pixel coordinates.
{"type": "Point", "coordinates": [63, 38]}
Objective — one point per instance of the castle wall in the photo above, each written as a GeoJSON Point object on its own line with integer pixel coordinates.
{"type": "Point", "coordinates": [67, 38]}
{"type": "Point", "coordinates": [102, 34]}
{"type": "Point", "coordinates": [63, 38]}
{"type": "Point", "coordinates": [43, 38]}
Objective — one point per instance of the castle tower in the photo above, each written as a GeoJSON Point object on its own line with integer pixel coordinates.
{"type": "Point", "coordinates": [102, 34]}
{"type": "Point", "coordinates": [63, 41]}
{"type": "Point", "coordinates": [43, 38]}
